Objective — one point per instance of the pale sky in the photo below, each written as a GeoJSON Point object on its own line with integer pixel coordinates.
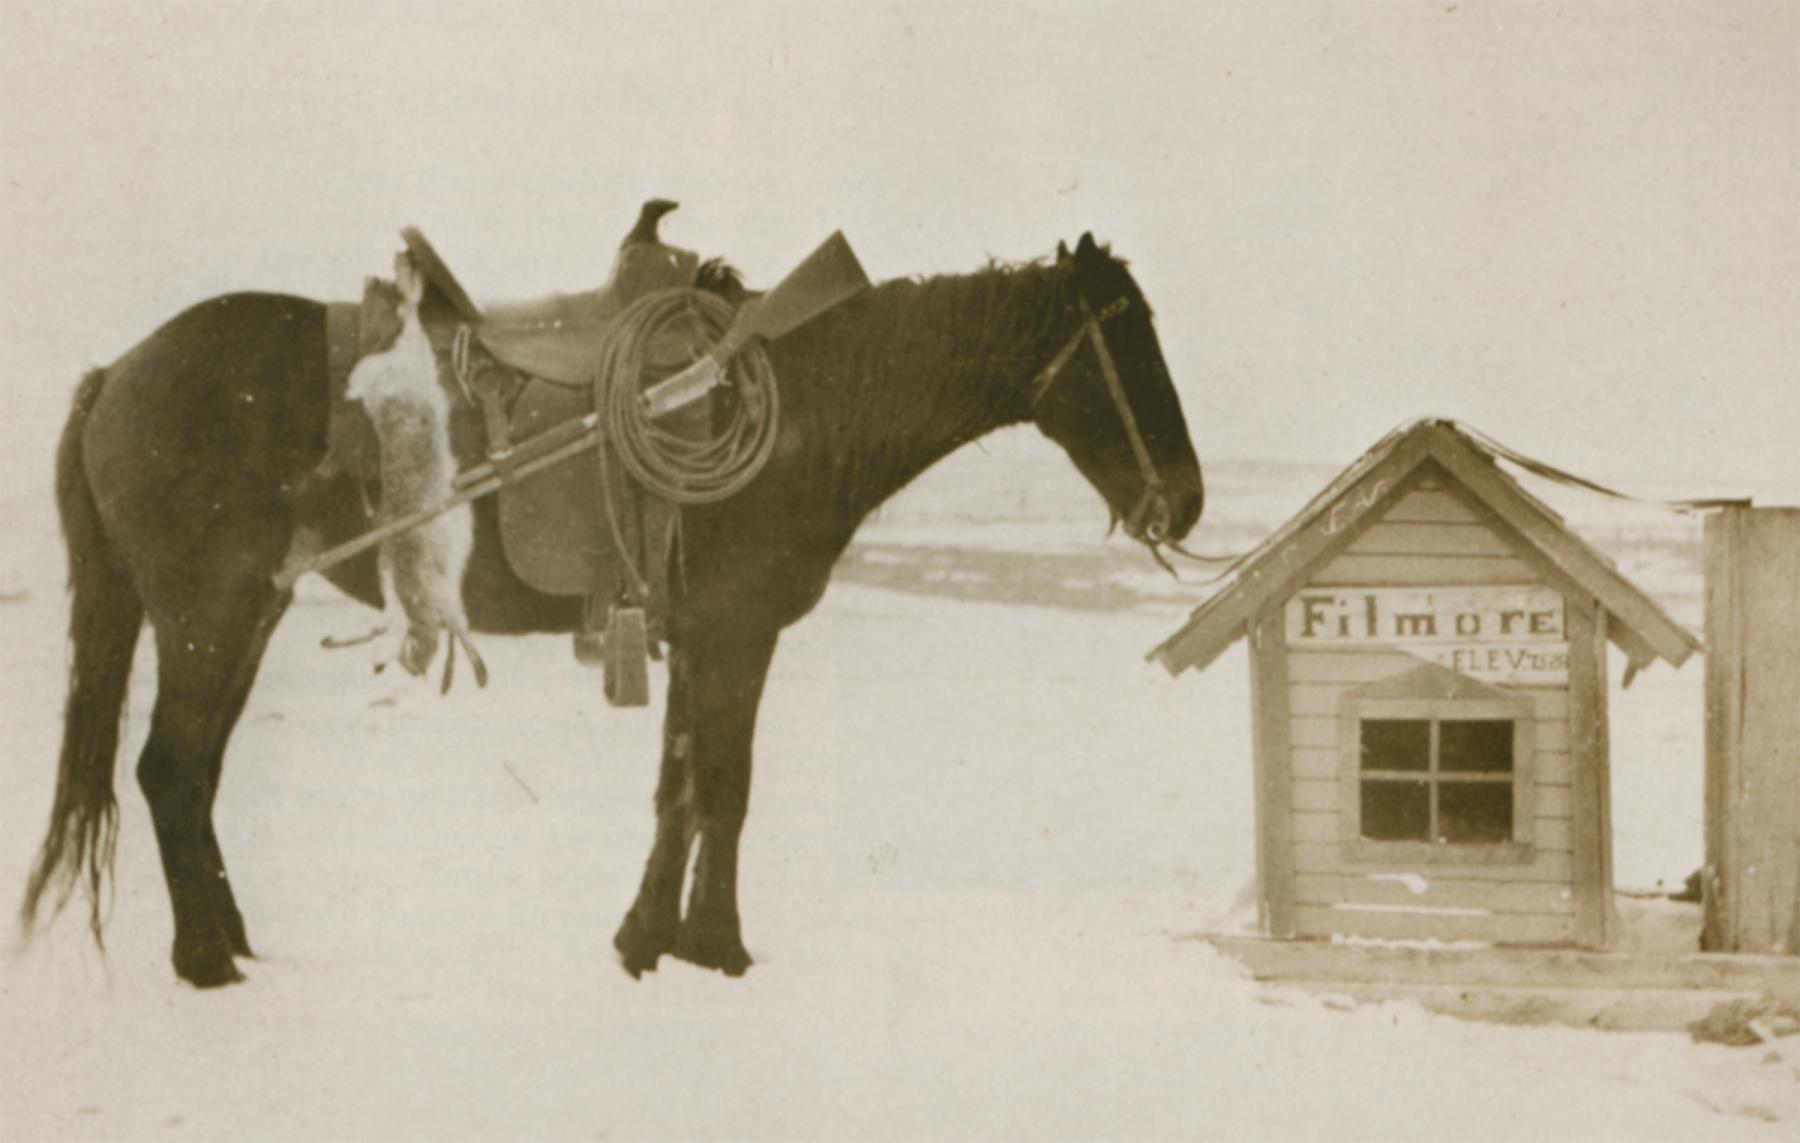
{"type": "Point", "coordinates": [1574, 225]}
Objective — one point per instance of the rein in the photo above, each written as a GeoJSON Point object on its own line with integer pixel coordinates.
{"type": "Point", "coordinates": [1090, 330]}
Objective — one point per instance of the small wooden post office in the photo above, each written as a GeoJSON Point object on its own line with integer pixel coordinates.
{"type": "Point", "coordinates": [1428, 649]}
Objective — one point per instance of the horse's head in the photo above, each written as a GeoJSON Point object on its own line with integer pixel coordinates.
{"type": "Point", "coordinates": [1107, 399]}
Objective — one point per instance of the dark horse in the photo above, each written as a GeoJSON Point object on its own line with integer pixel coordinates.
{"type": "Point", "coordinates": [192, 466]}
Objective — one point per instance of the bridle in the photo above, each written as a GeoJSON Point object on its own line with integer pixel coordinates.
{"type": "Point", "coordinates": [1152, 500]}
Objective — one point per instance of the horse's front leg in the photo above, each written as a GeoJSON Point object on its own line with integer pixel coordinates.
{"type": "Point", "coordinates": [728, 691]}
{"type": "Point", "coordinates": [652, 925]}
{"type": "Point", "coordinates": [716, 684]}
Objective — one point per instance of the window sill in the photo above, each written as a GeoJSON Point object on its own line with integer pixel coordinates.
{"type": "Point", "coordinates": [1426, 853]}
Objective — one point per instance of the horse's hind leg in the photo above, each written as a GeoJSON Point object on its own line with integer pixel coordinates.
{"type": "Point", "coordinates": [226, 901]}
{"type": "Point", "coordinates": [206, 663]}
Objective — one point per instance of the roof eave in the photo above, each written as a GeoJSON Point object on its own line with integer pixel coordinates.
{"type": "Point", "coordinates": [1642, 629]}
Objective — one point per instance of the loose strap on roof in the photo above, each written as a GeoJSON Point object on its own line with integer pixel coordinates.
{"type": "Point", "coordinates": [1556, 475]}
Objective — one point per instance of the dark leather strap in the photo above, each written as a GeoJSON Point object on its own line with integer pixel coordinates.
{"type": "Point", "coordinates": [1090, 331]}
{"type": "Point", "coordinates": [1153, 484]}
{"type": "Point", "coordinates": [1048, 374]}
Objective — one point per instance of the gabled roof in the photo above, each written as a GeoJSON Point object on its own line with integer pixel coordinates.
{"type": "Point", "coordinates": [1282, 564]}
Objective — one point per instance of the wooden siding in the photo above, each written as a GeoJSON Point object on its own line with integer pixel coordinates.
{"type": "Point", "coordinates": [1274, 797]}
{"type": "Point", "coordinates": [1315, 802]}
{"type": "Point", "coordinates": [1388, 890]}
{"type": "Point", "coordinates": [1321, 731]}
{"type": "Point", "coordinates": [1548, 865]}
{"type": "Point", "coordinates": [1323, 698]}
{"type": "Point", "coordinates": [1284, 561]}
{"type": "Point", "coordinates": [1382, 925]}
{"type": "Point", "coordinates": [1753, 730]}
{"type": "Point", "coordinates": [1431, 504]}
{"type": "Point", "coordinates": [1429, 536]}
{"type": "Point", "coordinates": [1352, 570]}
{"type": "Point", "coordinates": [1414, 538]}
{"type": "Point", "coordinates": [1595, 923]}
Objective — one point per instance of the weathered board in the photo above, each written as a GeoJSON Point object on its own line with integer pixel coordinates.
{"type": "Point", "coordinates": [1583, 989]}
{"type": "Point", "coordinates": [1413, 890]}
{"type": "Point", "coordinates": [1274, 775]}
{"type": "Point", "coordinates": [1399, 537]}
{"type": "Point", "coordinates": [1551, 832]}
{"type": "Point", "coordinates": [1545, 865]}
{"type": "Point", "coordinates": [1753, 730]}
{"type": "Point", "coordinates": [1350, 570]}
{"type": "Point", "coordinates": [1380, 923]}
{"type": "Point", "coordinates": [1596, 922]}
{"type": "Point", "coordinates": [1322, 731]}
{"type": "Point", "coordinates": [1513, 635]}
{"type": "Point", "coordinates": [1321, 699]}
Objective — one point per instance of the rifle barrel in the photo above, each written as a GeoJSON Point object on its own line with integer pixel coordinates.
{"type": "Point", "coordinates": [472, 484]}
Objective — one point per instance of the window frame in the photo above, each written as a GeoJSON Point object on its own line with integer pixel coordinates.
{"type": "Point", "coordinates": [1520, 710]}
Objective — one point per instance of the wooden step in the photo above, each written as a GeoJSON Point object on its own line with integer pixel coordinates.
{"type": "Point", "coordinates": [1574, 987]}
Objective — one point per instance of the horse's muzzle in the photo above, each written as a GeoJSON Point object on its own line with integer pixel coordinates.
{"type": "Point", "coordinates": [1184, 511]}
{"type": "Point", "coordinates": [1163, 515]}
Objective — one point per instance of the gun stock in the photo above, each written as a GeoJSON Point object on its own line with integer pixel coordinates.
{"type": "Point", "coordinates": [827, 277]}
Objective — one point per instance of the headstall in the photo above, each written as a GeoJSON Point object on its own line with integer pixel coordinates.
{"type": "Point", "coordinates": [1152, 498]}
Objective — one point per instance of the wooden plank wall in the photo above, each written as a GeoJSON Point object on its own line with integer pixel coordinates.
{"type": "Point", "coordinates": [1589, 747]}
{"type": "Point", "coordinates": [1430, 537]}
{"type": "Point", "coordinates": [1274, 773]}
{"type": "Point", "coordinates": [1753, 730]}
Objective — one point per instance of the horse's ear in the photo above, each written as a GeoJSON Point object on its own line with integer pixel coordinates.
{"type": "Point", "coordinates": [1062, 251]}
{"type": "Point", "coordinates": [1086, 249]}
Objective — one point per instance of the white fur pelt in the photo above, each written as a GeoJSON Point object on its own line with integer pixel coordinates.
{"type": "Point", "coordinates": [422, 567]}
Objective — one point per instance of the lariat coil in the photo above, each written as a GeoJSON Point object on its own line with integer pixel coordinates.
{"type": "Point", "coordinates": [692, 458]}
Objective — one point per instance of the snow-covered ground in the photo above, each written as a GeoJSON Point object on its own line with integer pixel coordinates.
{"type": "Point", "coordinates": [980, 833]}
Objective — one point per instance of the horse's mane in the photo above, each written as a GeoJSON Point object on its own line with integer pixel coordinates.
{"type": "Point", "coordinates": [890, 381]}
{"type": "Point", "coordinates": [717, 276]}
{"type": "Point", "coordinates": [905, 321]}
{"type": "Point", "coordinates": [936, 336]}
{"type": "Point", "coordinates": [948, 356]}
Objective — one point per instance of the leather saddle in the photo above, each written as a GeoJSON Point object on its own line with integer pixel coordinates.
{"type": "Point", "coordinates": [559, 337]}
{"type": "Point", "coordinates": [513, 371]}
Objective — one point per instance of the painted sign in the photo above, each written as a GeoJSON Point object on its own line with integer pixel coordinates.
{"type": "Point", "coordinates": [1512, 635]}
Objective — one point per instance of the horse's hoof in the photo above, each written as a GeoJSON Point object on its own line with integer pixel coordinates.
{"type": "Point", "coordinates": [636, 964]}
{"type": "Point", "coordinates": [639, 947]}
{"type": "Point", "coordinates": [720, 949]}
{"type": "Point", "coordinates": [237, 942]}
{"type": "Point", "coordinates": [208, 970]}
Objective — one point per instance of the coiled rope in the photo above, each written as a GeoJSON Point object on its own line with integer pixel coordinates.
{"type": "Point", "coordinates": [684, 459]}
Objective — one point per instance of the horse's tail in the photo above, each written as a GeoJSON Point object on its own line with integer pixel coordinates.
{"type": "Point", "coordinates": [105, 616]}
